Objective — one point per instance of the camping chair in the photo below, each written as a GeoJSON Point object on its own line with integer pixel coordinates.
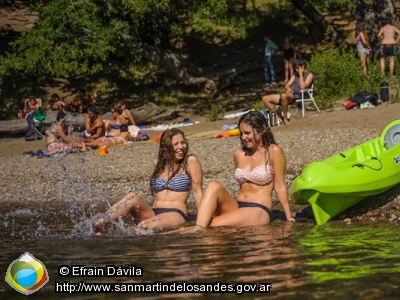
{"type": "Point", "coordinates": [307, 95]}
{"type": "Point", "coordinates": [39, 127]}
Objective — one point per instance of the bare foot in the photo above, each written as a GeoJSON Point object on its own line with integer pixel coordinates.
{"type": "Point", "coordinates": [286, 121]}
{"type": "Point", "coordinates": [84, 149]}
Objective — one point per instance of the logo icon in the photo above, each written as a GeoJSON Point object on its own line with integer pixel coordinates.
{"type": "Point", "coordinates": [27, 274]}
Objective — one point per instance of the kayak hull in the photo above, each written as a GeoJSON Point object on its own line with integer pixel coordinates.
{"type": "Point", "coordinates": [344, 179]}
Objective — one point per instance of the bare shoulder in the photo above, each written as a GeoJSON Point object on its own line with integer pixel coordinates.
{"type": "Point", "coordinates": [275, 150]}
{"type": "Point", "coordinates": [238, 153]}
{"type": "Point", "coordinates": [193, 159]}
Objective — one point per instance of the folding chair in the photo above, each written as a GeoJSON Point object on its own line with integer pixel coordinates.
{"type": "Point", "coordinates": [307, 95]}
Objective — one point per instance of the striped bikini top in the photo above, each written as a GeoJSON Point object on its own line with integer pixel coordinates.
{"type": "Point", "coordinates": [260, 175]}
{"type": "Point", "coordinates": [177, 183]}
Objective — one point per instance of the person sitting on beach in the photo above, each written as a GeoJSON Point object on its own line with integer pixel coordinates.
{"type": "Point", "coordinates": [113, 126]}
{"type": "Point", "coordinates": [122, 137]}
{"type": "Point", "coordinates": [94, 125]}
{"type": "Point", "coordinates": [57, 139]}
{"type": "Point", "coordinates": [301, 79]}
{"type": "Point", "coordinates": [126, 113]}
{"type": "Point", "coordinates": [175, 175]}
{"type": "Point", "coordinates": [260, 169]}
{"type": "Point", "coordinates": [55, 103]}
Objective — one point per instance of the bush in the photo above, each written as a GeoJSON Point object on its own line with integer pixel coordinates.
{"type": "Point", "coordinates": [217, 112]}
{"type": "Point", "coordinates": [338, 75]}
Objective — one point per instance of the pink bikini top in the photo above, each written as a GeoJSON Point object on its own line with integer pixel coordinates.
{"type": "Point", "coordinates": [260, 175]}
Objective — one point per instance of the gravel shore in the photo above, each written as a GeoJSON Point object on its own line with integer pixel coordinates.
{"type": "Point", "coordinates": [78, 179]}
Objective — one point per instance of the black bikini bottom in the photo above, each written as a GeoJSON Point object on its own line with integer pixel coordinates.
{"type": "Point", "coordinates": [158, 211]}
{"type": "Point", "coordinates": [253, 204]}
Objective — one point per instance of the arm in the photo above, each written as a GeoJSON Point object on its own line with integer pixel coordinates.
{"type": "Point", "coordinates": [279, 164]}
{"type": "Point", "coordinates": [398, 34]}
{"type": "Point", "coordinates": [364, 40]}
{"type": "Point", "coordinates": [380, 35]}
{"type": "Point", "coordinates": [64, 137]}
{"type": "Point", "coordinates": [122, 120]}
{"type": "Point", "coordinates": [98, 127]}
{"type": "Point", "coordinates": [130, 117]}
{"type": "Point", "coordinates": [305, 83]}
{"type": "Point", "coordinates": [196, 173]}
{"type": "Point", "coordinates": [289, 84]}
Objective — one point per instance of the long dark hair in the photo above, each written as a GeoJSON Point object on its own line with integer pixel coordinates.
{"type": "Point", "coordinates": [166, 154]}
{"type": "Point", "coordinates": [259, 123]}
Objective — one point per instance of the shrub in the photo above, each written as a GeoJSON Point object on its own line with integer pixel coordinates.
{"type": "Point", "coordinates": [217, 112]}
{"type": "Point", "coordinates": [338, 75]}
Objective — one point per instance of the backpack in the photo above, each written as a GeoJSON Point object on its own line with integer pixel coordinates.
{"type": "Point", "coordinates": [32, 134]}
{"type": "Point", "coordinates": [384, 91]}
{"type": "Point", "coordinates": [364, 96]}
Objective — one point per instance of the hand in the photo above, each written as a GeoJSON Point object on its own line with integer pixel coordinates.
{"type": "Point", "coordinates": [291, 219]}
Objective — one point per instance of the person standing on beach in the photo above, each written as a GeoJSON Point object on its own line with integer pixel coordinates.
{"type": "Point", "coordinates": [363, 47]}
{"type": "Point", "coordinates": [260, 169]}
{"type": "Point", "coordinates": [289, 56]}
{"type": "Point", "coordinates": [269, 71]}
{"type": "Point", "coordinates": [388, 36]}
{"type": "Point", "coordinates": [176, 174]}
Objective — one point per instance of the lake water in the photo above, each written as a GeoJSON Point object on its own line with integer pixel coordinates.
{"type": "Point", "coordinates": [294, 260]}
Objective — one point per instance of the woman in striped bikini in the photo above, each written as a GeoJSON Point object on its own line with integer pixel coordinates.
{"type": "Point", "coordinates": [260, 169]}
{"type": "Point", "coordinates": [175, 175]}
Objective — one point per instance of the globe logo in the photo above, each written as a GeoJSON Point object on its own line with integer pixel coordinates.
{"type": "Point", "coordinates": [27, 274]}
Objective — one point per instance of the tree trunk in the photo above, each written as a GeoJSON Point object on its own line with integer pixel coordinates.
{"type": "Point", "coordinates": [188, 74]}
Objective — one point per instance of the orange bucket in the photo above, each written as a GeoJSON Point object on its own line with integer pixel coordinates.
{"type": "Point", "coordinates": [103, 150]}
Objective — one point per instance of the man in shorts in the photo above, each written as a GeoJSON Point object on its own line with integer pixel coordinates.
{"type": "Point", "coordinates": [301, 79]}
{"type": "Point", "coordinates": [388, 36]}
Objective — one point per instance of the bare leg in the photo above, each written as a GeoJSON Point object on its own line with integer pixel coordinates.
{"type": "Point", "coordinates": [286, 99]}
{"type": "Point", "coordinates": [216, 200]}
{"type": "Point", "coordinates": [391, 65]}
{"type": "Point", "coordinates": [131, 203]}
{"type": "Point", "coordinates": [363, 60]}
{"type": "Point", "coordinates": [287, 69]}
{"type": "Point", "coordinates": [270, 101]}
{"type": "Point", "coordinates": [383, 61]}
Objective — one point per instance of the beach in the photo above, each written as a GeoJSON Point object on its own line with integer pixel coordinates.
{"type": "Point", "coordinates": [103, 179]}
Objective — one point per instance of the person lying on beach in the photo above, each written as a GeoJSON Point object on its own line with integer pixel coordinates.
{"type": "Point", "coordinates": [175, 175]}
{"type": "Point", "coordinates": [122, 137]}
{"type": "Point", "coordinates": [57, 139]}
{"type": "Point", "coordinates": [260, 168]}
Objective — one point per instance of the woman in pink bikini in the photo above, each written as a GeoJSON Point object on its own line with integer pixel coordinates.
{"type": "Point", "coordinates": [260, 169]}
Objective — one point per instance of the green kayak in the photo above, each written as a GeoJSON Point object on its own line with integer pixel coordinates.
{"type": "Point", "coordinates": [344, 179]}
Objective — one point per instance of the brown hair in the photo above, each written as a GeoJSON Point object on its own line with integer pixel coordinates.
{"type": "Point", "coordinates": [165, 157]}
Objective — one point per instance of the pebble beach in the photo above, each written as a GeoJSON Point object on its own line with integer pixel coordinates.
{"type": "Point", "coordinates": [51, 183]}
{"type": "Point", "coordinates": [40, 183]}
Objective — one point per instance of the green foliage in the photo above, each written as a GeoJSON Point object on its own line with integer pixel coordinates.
{"type": "Point", "coordinates": [339, 75]}
{"type": "Point", "coordinates": [217, 112]}
{"type": "Point", "coordinates": [258, 105]}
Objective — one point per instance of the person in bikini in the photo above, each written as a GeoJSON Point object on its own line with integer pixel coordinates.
{"type": "Point", "coordinates": [301, 79]}
{"type": "Point", "coordinates": [260, 168]}
{"type": "Point", "coordinates": [176, 174]}
{"type": "Point", "coordinates": [126, 113]}
{"type": "Point", "coordinates": [289, 56]}
{"type": "Point", "coordinates": [57, 139]}
{"type": "Point", "coordinates": [363, 47]}
{"type": "Point", "coordinates": [123, 137]}
{"type": "Point", "coordinates": [388, 40]}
